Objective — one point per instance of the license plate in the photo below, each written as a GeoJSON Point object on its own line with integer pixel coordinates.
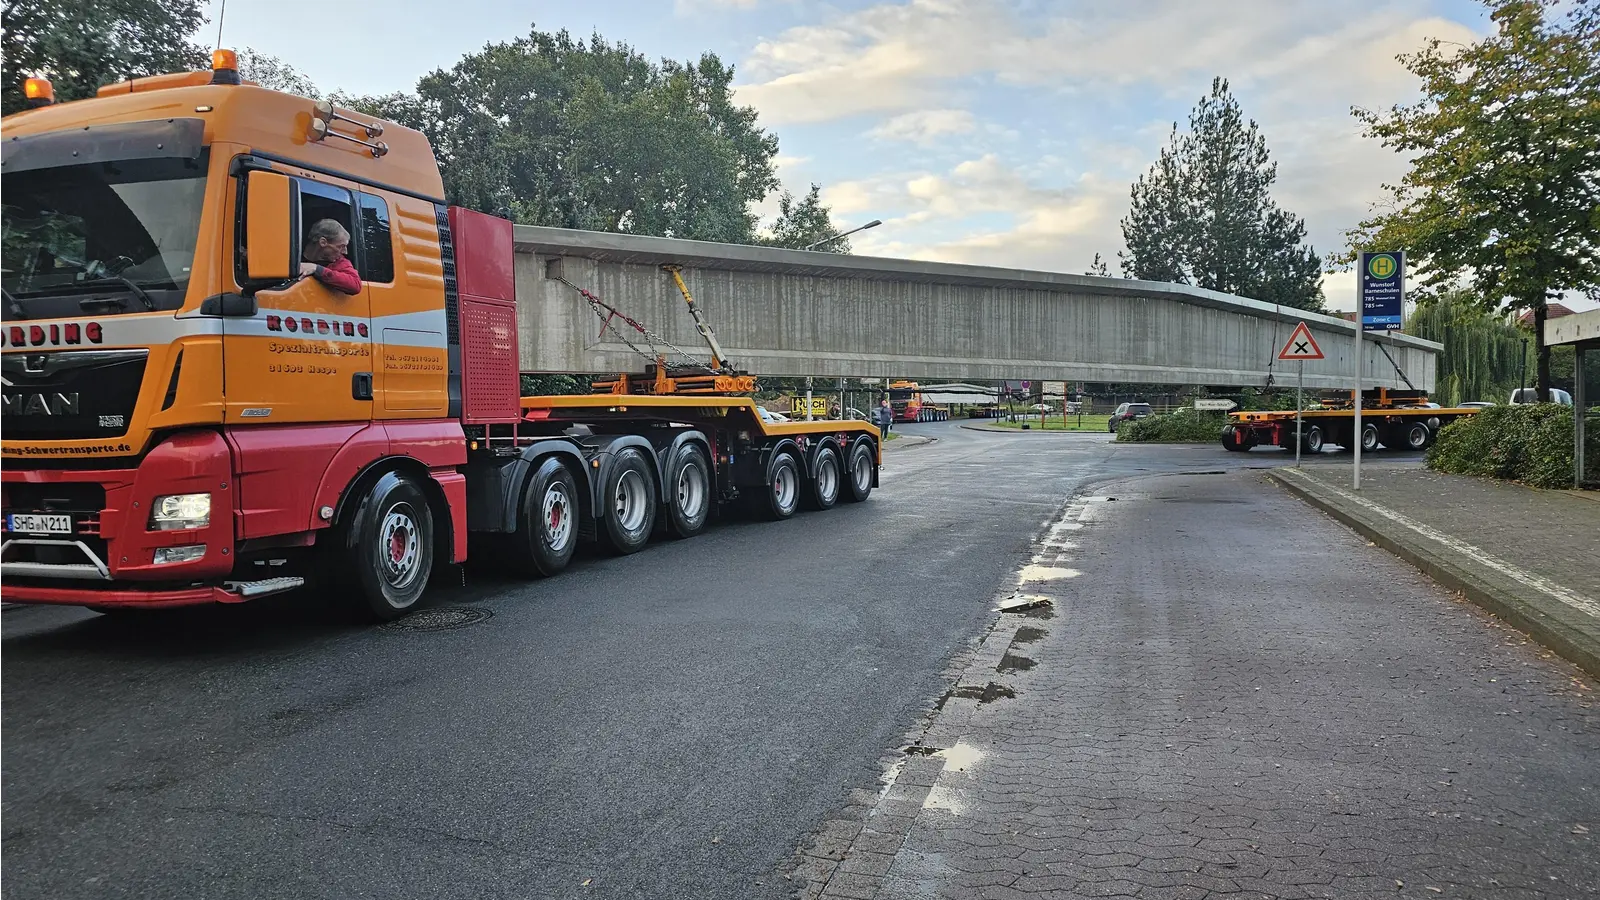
{"type": "Point", "coordinates": [37, 524]}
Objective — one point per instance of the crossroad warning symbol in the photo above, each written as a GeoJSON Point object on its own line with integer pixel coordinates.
{"type": "Point", "coordinates": [1301, 345]}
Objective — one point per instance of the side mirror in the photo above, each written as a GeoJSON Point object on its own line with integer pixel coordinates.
{"type": "Point", "coordinates": [269, 238]}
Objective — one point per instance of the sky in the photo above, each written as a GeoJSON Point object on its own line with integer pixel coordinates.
{"type": "Point", "coordinates": [979, 131]}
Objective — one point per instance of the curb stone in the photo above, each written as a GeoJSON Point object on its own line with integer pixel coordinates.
{"type": "Point", "coordinates": [1554, 628]}
{"type": "Point", "coordinates": [906, 442]}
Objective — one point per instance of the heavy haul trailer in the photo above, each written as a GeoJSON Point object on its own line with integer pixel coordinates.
{"type": "Point", "coordinates": [908, 405]}
{"type": "Point", "coordinates": [188, 422]}
{"type": "Point", "coordinates": [1389, 418]}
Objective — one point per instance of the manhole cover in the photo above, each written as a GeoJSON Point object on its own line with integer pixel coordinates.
{"type": "Point", "coordinates": [443, 619]}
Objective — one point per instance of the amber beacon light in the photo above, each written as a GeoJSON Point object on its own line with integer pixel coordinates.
{"type": "Point", "coordinates": [39, 92]}
{"type": "Point", "coordinates": [224, 67]}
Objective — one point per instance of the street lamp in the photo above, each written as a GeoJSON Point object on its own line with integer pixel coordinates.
{"type": "Point", "coordinates": [873, 224]}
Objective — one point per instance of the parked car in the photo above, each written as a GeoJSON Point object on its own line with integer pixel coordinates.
{"type": "Point", "coordinates": [1042, 408]}
{"type": "Point", "coordinates": [1531, 395]}
{"type": "Point", "coordinates": [1476, 404]}
{"type": "Point", "coordinates": [1128, 412]}
{"type": "Point", "coordinates": [857, 415]}
{"type": "Point", "coordinates": [769, 416]}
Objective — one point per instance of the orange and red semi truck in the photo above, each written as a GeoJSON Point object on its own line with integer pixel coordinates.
{"type": "Point", "coordinates": [188, 421]}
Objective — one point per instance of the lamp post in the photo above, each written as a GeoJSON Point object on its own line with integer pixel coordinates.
{"type": "Point", "coordinates": [828, 240]}
{"type": "Point", "coordinates": [1522, 372]}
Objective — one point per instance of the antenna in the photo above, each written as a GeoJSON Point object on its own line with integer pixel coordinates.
{"type": "Point", "coordinates": [221, 14]}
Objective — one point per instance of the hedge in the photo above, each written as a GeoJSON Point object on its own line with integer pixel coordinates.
{"type": "Point", "coordinates": [1187, 427]}
{"type": "Point", "coordinates": [1530, 442]}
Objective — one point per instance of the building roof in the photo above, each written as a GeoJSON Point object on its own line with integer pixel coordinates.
{"type": "Point", "coordinates": [1554, 311]}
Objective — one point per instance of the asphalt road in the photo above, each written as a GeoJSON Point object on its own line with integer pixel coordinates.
{"type": "Point", "coordinates": [669, 724]}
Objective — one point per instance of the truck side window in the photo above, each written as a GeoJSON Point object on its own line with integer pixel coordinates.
{"type": "Point", "coordinates": [377, 247]}
{"type": "Point", "coordinates": [320, 201]}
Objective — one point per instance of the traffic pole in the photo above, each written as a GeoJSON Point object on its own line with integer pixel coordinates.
{"type": "Point", "coordinates": [1299, 432]}
{"type": "Point", "coordinates": [1355, 481]}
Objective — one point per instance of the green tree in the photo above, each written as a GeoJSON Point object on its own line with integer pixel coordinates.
{"type": "Point", "coordinates": [1098, 267]}
{"type": "Point", "coordinates": [1504, 186]}
{"type": "Point", "coordinates": [592, 135]}
{"type": "Point", "coordinates": [83, 44]}
{"type": "Point", "coordinates": [804, 222]}
{"type": "Point", "coordinates": [1204, 215]}
{"type": "Point", "coordinates": [272, 72]}
{"type": "Point", "coordinates": [1483, 352]}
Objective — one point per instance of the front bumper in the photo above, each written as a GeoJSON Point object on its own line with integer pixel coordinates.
{"type": "Point", "coordinates": [122, 597]}
{"type": "Point", "coordinates": [113, 545]}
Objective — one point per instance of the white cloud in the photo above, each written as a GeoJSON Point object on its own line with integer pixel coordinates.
{"type": "Point", "coordinates": [909, 67]}
{"type": "Point", "coordinates": [926, 213]}
{"type": "Point", "coordinates": [925, 126]}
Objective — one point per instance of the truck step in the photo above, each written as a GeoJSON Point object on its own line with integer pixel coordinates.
{"type": "Point", "coordinates": [253, 589]}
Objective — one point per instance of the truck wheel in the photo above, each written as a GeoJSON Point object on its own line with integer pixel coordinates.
{"type": "Point", "coordinates": [1417, 436]}
{"type": "Point", "coordinates": [1369, 438]}
{"type": "Point", "coordinates": [547, 530]}
{"type": "Point", "coordinates": [1234, 439]}
{"type": "Point", "coordinates": [630, 510]}
{"type": "Point", "coordinates": [1312, 439]}
{"type": "Point", "coordinates": [783, 487]}
{"type": "Point", "coordinates": [689, 477]}
{"type": "Point", "coordinates": [388, 546]}
{"type": "Point", "coordinates": [823, 489]}
{"type": "Point", "coordinates": [858, 473]}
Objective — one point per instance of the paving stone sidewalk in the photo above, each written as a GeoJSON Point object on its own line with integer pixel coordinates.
{"type": "Point", "coordinates": [1229, 695]}
{"type": "Point", "coordinates": [1530, 556]}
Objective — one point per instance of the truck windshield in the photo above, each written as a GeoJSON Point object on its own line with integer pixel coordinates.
{"type": "Point", "coordinates": [105, 237]}
{"type": "Point", "coordinates": [899, 395]}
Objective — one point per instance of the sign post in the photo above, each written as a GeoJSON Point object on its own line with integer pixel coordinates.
{"type": "Point", "coordinates": [1301, 346]}
{"type": "Point", "coordinates": [1379, 308]}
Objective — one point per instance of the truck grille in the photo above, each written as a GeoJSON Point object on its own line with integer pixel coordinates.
{"type": "Point", "coordinates": [70, 395]}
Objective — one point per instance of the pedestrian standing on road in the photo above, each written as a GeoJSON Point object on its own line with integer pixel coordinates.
{"type": "Point", "coordinates": [885, 417]}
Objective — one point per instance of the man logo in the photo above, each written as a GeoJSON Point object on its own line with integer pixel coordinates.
{"type": "Point", "coordinates": [37, 403]}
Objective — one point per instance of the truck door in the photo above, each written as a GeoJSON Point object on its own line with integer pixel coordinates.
{"type": "Point", "coordinates": [306, 354]}
{"type": "Point", "coordinates": [410, 330]}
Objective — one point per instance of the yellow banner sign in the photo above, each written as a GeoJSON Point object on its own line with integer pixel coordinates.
{"type": "Point", "coordinates": [819, 406]}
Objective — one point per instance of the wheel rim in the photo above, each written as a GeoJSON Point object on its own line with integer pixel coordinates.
{"type": "Point", "coordinates": [629, 502]}
{"type": "Point", "coordinates": [862, 470]}
{"type": "Point", "coordinates": [827, 478]}
{"type": "Point", "coordinates": [399, 550]}
{"type": "Point", "coordinates": [1314, 440]}
{"type": "Point", "coordinates": [1369, 438]}
{"type": "Point", "coordinates": [691, 490]}
{"type": "Point", "coordinates": [557, 516]}
{"type": "Point", "coordinates": [784, 486]}
{"type": "Point", "coordinates": [1417, 436]}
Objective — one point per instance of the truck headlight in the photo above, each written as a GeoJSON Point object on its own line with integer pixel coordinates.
{"type": "Point", "coordinates": [179, 512]}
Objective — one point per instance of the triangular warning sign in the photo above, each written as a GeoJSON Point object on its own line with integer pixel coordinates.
{"type": "Point", "coordinates": [1301, 345]}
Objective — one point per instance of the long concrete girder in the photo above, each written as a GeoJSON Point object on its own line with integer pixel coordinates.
{"type": "Point", "coordinates": [792, 312]}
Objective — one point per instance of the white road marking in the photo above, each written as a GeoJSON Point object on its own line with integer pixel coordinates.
{"type": "Point", "coordinates": [1542, 585]}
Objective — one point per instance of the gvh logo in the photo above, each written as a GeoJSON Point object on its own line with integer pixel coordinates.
{"type": "Point", "coordinates": [41, 403]}
{"type": "Point", "coordinates": [52, 335]}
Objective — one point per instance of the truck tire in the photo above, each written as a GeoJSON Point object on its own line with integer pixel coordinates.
{"type": "Point", "coordinates": [388, 547]}
{"type": "Point", "coordinates": [783, 487]}
{"type": "Point", "coordinates": [822, 490]}
{"type": "Point", "coordinates": [1369, 437]}
{"type": "Point", "coordinates": [547, 528]}
{"type": "Point", "coordinates": [1416, 436]}
{"type": "Point", "coordinates": [629, 513]}
{"type": "Point", "coordinates": [1312, 440]}
{"type": "Point", "coordinates": [689, 486]}
{"type": "Point", "coordinates": [858, 472]}
{"type": "Point", "coordinates": [1237, 439]}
